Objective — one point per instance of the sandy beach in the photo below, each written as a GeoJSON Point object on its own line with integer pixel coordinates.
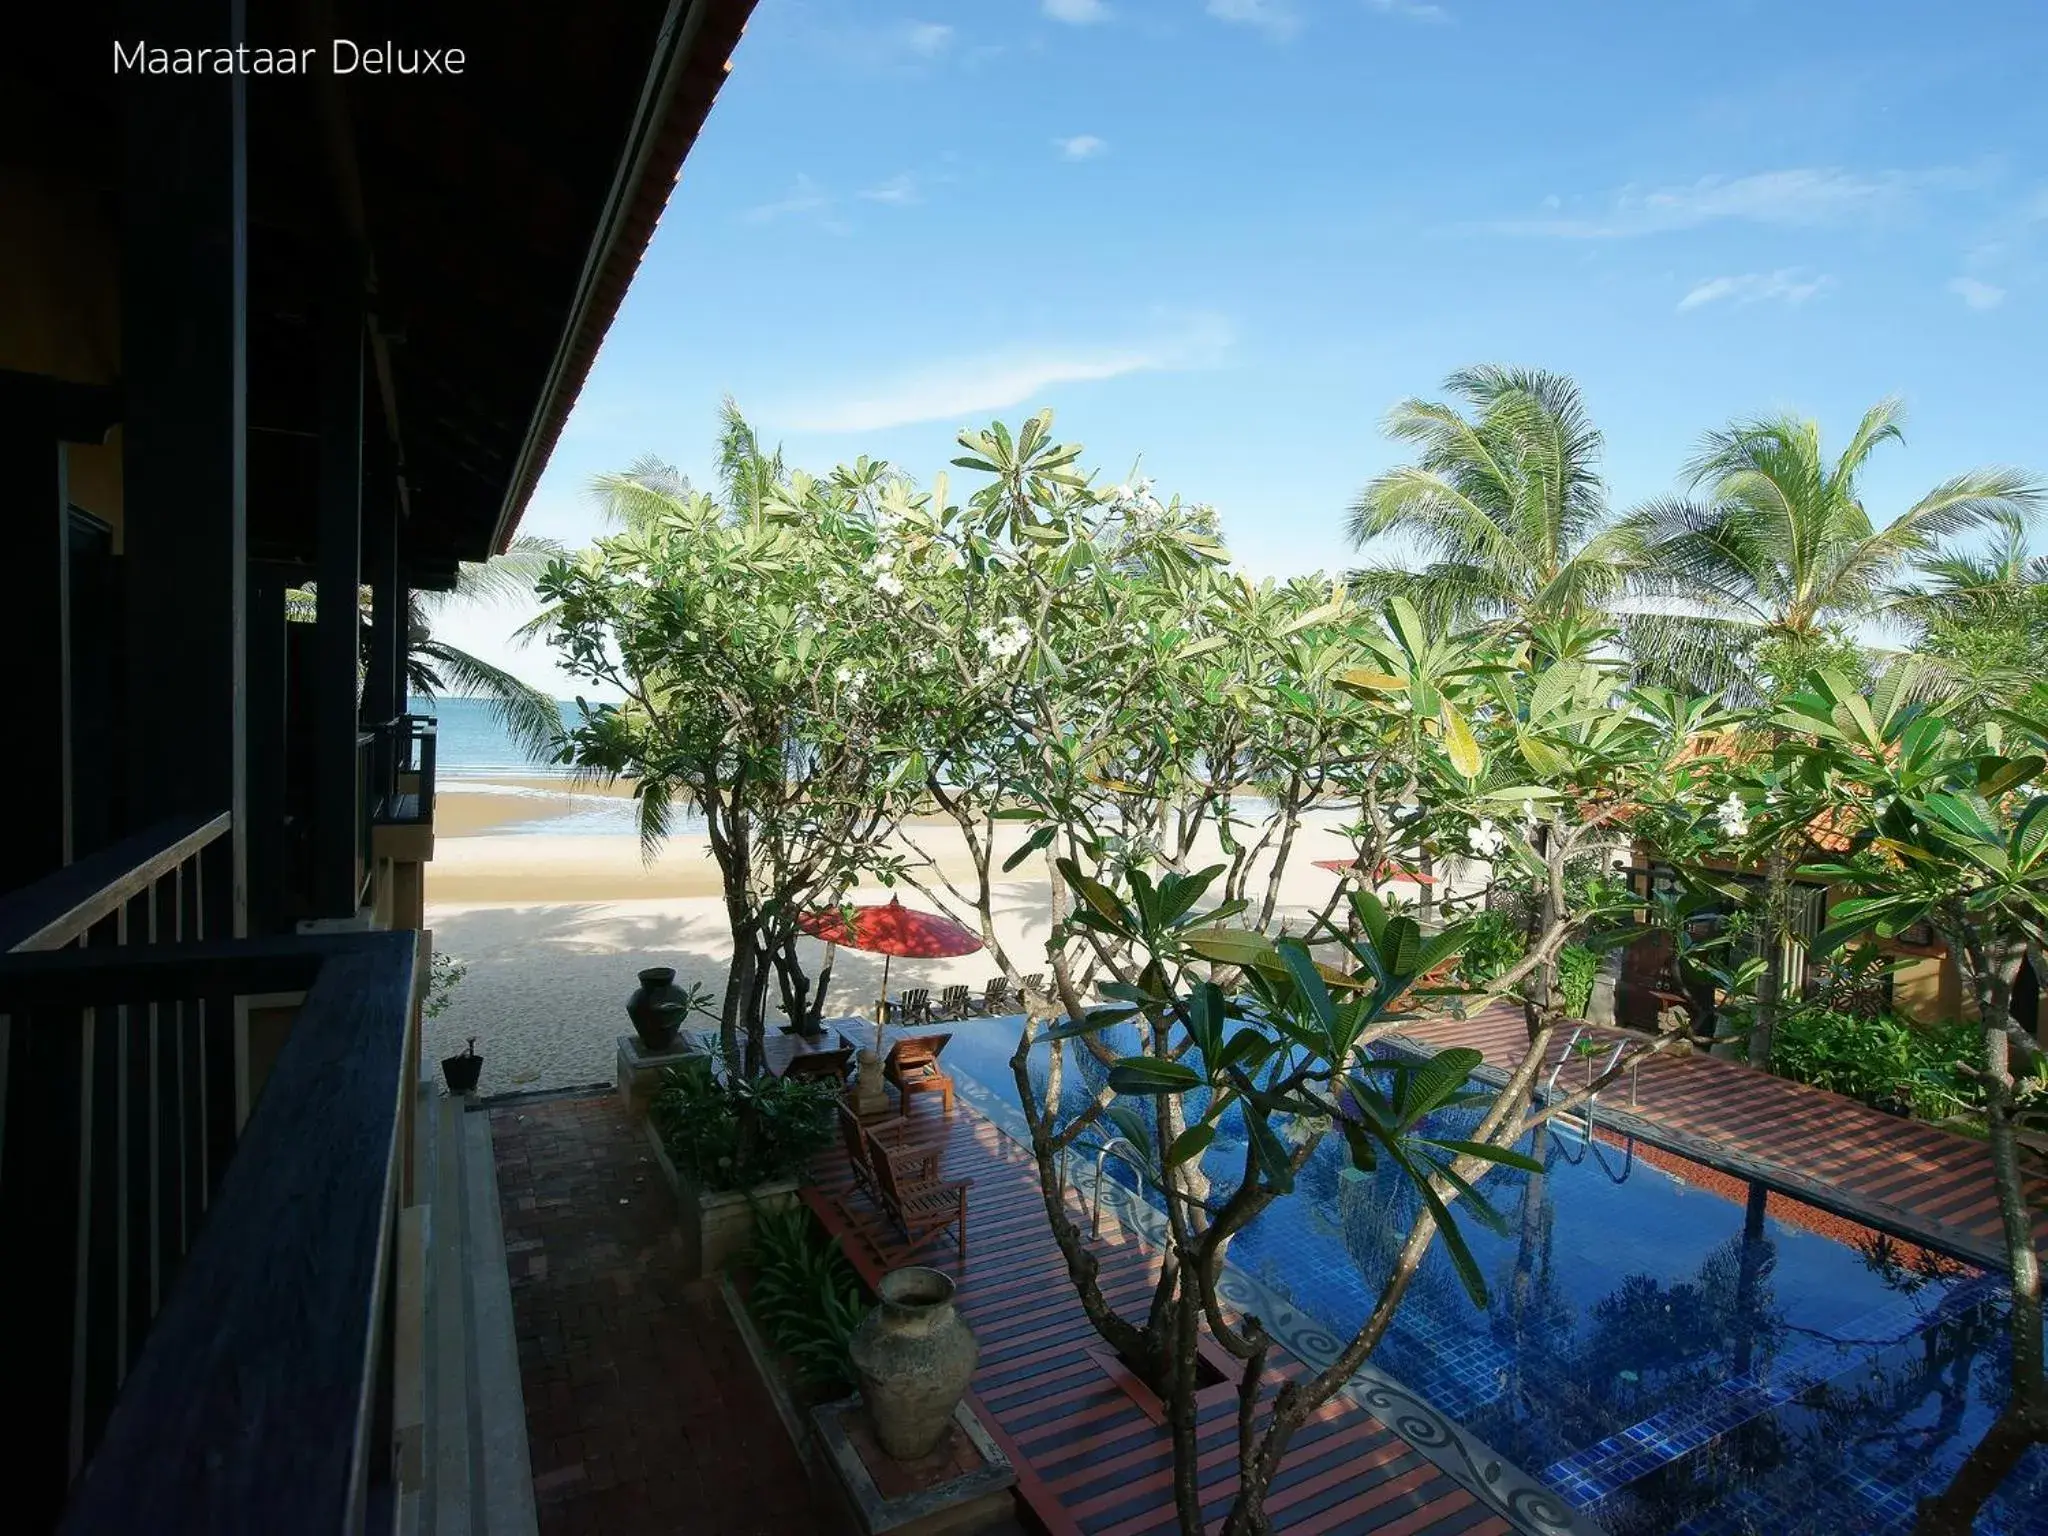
{"type": "Point", "coordinates": [554, 923]}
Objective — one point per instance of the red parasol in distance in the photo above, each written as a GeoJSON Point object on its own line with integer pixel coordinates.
{"type": "Point", "coordinates": [890, 929]}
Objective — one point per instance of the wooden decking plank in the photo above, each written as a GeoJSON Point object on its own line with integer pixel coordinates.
{"type": "Point", "coordinates": [1088, 1456]}
{"type": "Point", "coordinates": [1929, 1185]}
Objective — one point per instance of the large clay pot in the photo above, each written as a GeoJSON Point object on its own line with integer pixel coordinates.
{"type": "Point", "coordinates": [657, 1007]}
{"type": "Point", "coordinates": [914, 1357]}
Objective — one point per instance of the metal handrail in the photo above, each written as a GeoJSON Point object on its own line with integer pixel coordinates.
{"type": "Point", "coordinates": [1132, 1159]}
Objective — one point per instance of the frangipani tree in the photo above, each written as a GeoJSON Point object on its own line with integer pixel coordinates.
{"type": "Point", "coordinates": [750, 636]}
{"type": "Point", "coordinates": [1948, 827]}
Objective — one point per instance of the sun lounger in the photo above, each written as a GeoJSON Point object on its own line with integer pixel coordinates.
{"type": "Point", "coordinates": [913, 1066]}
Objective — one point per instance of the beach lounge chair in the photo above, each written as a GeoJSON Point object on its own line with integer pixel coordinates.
{"type": "Point", "coordinates": [914, 1007]}
{"type": "Point", "coordinates": [861, 1145]}
{"type": "Point", "coordinates": [829, 1065]}
{"type": "Point", "coordinates": [952, 1005]}
{"type": "Point", "coordinates": [913, 1066]}
{"type": "Point", "coordinates": [922, 1208]}
{"type": "Point", "coordinates": [1035, 982]}
{"type": "Point", "coordinates": [995, 998]}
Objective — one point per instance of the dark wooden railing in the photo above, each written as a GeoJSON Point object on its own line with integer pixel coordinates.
{"type": "Point", "coordinates": [406, 749]}
{"type": "Point", "coordinates": [197, 1308]}
{"type": "Point", "coordinates": [145, 889]}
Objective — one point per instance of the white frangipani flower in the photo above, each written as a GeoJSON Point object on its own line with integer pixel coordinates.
{"type": "Point", "coordinates": [1485, 839]}
{"type": "Point", "coordinates": [1007, 637]}
{"type": "Point", "coordinates": [1733, 816]}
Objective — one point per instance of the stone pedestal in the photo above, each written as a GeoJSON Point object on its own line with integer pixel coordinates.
{"type": "Point", "coordinates": [640, 1070]}
{"type": "Point", "coordinates": [962, 1486]}
{"type": "Point", "coordinates": [870, 1094]}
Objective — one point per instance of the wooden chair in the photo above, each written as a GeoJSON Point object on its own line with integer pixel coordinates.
{"type": "Point", "coordinates": [1035, 982]}
{"type": "Point", "coordinates": [995, 998]}
{"type": "Point", "coordinates": [952, 1004]}
{"type": "Point", "coordinates": [832, 1066]}
{"type": "Point", "coordinates": [913, 1066]}
{"type": "Point", "coordinates": [914, 1007]}
{"type": "Point", "coordinates": [922, 1208]}
{"type": "Point", "coordinates": [858, 1140]}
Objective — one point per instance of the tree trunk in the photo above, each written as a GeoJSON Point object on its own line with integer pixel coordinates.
{"type": "Point", "coordinates": [1539, 988]}
{"type": "Point", "coordinates": [1772, 936]}
{"type": "Point", "coordinates": [2025, 1420]}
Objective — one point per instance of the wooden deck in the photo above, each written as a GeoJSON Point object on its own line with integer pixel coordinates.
{"type": "Point", "coordinates": [1091, 1452]}
{"type": "Point", "coordinates": [1904, 1176]}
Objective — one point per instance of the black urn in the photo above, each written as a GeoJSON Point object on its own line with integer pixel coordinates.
{"type": "Point", "coordinates": [657, 1007]}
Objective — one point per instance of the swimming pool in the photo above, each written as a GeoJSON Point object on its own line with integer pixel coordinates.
{"type": "Point", "coordinates": [1667, 1347]}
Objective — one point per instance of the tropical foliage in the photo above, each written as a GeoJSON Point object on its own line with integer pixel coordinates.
{"type": "Point", "coordinates": [806, 1295]}
{"type": "Point", "coordinates": [1073, 676]}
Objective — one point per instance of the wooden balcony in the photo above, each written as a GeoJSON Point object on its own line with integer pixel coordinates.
{"type": "Point", "coordinates": [207, 1150]}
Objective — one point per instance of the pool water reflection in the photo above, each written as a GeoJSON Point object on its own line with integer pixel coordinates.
{"type": "Point", "coordinates": [1671, 1349]}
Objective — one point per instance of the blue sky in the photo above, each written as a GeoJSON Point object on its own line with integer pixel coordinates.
{"type": "Point", "coordinates": [1227, 235]}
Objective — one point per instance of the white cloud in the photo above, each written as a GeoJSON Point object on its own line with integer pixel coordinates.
{"type": "Point", "coordinates": [1977, 293]}
{"type": "Point", "coordinates": [1276, 18]}
{"type": "Point", "coordinates": [928, 39]}
{"type": "Point", "coordinates": [1414, 10]}
{"type": "Point", "coordinates": [1787, 285]}
{"type": "Point", "coordinates": [1076, 13]}
{"type": "Point", "coordinates": [805, 196]}
{"type": "Point", "coordinates": [1801, 197]}
{"type": "Point", "coordinates": [1082, 146]}
{"type": "Point", "coordinates": [963, 387]}
{"type": "Point", "coordinates": [897, 190]}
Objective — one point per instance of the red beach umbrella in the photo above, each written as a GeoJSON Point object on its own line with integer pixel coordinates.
{"type": "Point", "coordinates": [890, 929]}
{"type": "Point", "coordinates": [1388, 871]}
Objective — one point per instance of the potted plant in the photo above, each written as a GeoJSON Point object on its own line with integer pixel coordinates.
{"type": "Point", "coordinates": [731, 1146]}
{"type": "Point", "coordinates": [444, 972]}
{"type": "Point", "coordinates": [463, 1068]}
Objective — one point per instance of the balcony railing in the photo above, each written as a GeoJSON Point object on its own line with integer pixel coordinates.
{"type": "Point", "coordinates": [404, 789]}
{"type": "Point", "coordinates": [199, 1304]}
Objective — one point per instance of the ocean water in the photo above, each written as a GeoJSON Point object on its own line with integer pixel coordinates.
{"type": "Point", "coordinates": [475, 755]}
{"type": "Point", "coordinates": [473, 745]}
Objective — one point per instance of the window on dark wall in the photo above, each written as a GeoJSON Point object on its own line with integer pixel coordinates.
{"type": "Point", "coordinates": [93, 695]}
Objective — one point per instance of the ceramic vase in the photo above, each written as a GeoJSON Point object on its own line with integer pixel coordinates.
{"type": "Point", "coordinates": [914, 1357]}
{"type": "Point", "coordinates": [656, 1008]}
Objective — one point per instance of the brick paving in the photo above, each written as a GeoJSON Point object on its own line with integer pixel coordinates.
{"type": "Point", "coordinates": [644, 1411]}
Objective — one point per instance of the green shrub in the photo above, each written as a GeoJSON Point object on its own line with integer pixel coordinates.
{"type": "Point", "coordinates": [736, 1134]}
{"type": "Point", "coordinates": [1884, 1060]}
{"type": "Point", "coordinates": [806, 1296]}
{"type": "Point", "coordinates": [1577, 966]}
{"type": "Point", "coordinates": [1493, 943]}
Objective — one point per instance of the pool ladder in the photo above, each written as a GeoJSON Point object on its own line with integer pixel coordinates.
{"type": "Point", "coordinates": [1592, 1103]}
{"type": "Point", "coordinates": [1132, 1159]}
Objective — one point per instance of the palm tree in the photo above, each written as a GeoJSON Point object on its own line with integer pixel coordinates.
{"type": "Point", "coordinates": [1505, 501]}
{"type": "Point", "coordinates": [1980, 621]}
{"type": "Point", "coordinates": [530, 717]}
{"type": "Point", "coordinates": [1780, 563]}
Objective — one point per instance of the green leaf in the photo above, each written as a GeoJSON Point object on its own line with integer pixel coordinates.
{"type": "Point", "coordinates": [1995, 775]}
{"type": "Point", "coordinates": [1507, 1156]}
{"type": "Point", "coordinates": [1032, 844]}
{"type": "Point", "coordinates": [1190, 1143]}
{"type": "Point", "coordinates": [1230, 946]}
{"type": "Point", "coordinates": [1151, 1075]}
